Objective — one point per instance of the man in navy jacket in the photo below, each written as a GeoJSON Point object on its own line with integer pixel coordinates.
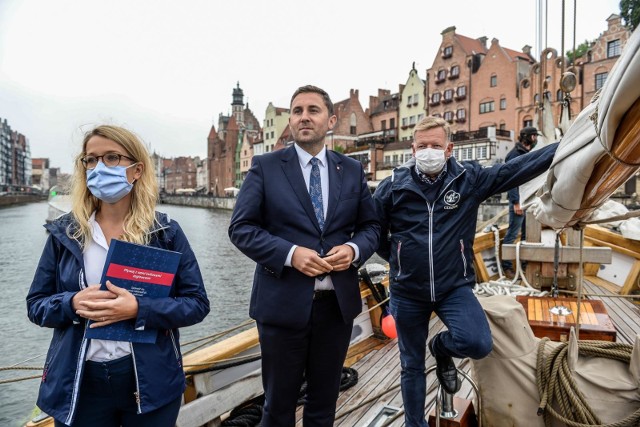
{"type": "Point", "coordinates": [428, 209]}
{"type": "Point", "coordinates": [304, 214]}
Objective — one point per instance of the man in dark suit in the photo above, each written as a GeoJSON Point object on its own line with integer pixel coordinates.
{"type": "Point", "coordinates": [304, 214]}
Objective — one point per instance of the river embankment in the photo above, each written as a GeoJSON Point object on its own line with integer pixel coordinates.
{"type": "Point", "coordinates": [198, 201]}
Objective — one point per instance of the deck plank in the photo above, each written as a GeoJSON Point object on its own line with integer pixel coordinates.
{"type": "Point", "coordinates": [623, 313]}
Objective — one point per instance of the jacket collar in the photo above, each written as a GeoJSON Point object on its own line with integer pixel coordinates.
{"type": "Point", "coordinates": [401, 176]}
{"type": "Point", "coordinates": [66, 225]}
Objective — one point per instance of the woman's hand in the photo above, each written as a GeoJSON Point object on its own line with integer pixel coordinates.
{"type": "Point", "coordinates": [107, 307]}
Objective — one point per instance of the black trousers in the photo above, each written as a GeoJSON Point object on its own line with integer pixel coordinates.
{"type": "Point", "coordinates": [107, 399]}
{"type": "Point", "coordinates": [315, 353]}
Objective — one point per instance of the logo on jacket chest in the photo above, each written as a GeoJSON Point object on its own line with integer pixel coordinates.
{"type": "Point", "coordinates": [451, 199]}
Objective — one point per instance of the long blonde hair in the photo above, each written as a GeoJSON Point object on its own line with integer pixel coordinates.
{"type": "Point", "coordinates": [141, 216]}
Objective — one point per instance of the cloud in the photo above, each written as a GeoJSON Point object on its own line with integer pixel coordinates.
{"type": "Point", "coordinates": [166, 69]}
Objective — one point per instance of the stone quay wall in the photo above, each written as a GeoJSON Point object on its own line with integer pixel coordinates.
{"type": "Point", "coordinates": [199, 201]}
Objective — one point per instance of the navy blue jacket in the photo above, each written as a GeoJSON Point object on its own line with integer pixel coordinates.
{"type": "Point", "coordinates": [274, 212]}
{"type": "Point", "coordinates": [60, 275]}
{"type": "Point", "coordinates": [513, 195]}
{"type": "Point", "coordinates": [429, 243]}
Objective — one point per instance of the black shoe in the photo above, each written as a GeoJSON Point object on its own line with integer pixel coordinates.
{"type": "Point", "coordinates": [446, 372]}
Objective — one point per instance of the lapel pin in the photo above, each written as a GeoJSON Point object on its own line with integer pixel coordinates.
{"type": "Point", "coordinates": [338, 167]}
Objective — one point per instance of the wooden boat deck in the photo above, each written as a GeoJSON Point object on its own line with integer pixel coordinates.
{"type": "Point", "coordinates": [379, 370]}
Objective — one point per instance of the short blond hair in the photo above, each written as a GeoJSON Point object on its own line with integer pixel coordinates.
{"type": "Point", "coordinates": [431, 122]}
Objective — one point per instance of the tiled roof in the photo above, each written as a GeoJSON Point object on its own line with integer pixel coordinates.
{"type": "Point", "coordinates": [514, 55]}
{"type": "Point", "coordinates": [470, 45]}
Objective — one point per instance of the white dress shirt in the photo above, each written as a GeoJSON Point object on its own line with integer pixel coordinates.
{"type": "Point", "coordinates": [94, 257]}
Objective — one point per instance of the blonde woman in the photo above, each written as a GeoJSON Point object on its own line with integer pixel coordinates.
{"type": "Point", "coordinates": [112, 383]}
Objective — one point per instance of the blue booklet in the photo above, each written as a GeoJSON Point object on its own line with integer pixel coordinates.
{"type": "Point", "coordinates": [144, 271]}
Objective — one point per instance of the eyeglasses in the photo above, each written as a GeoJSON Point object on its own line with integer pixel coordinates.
{"type": "Point", "coordinates": [110, 160]}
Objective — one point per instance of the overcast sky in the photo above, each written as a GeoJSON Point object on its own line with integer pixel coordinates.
{"type": "Point", "coordinates": [166, 69]}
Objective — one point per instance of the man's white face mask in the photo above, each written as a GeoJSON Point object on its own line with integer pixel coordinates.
{"type": "Point", "coordinates": [430, 161]}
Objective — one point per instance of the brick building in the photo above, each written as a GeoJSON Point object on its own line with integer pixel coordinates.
{"type": "Point", "coordinates": [495, 85]}
{"type": "Point", "coordinates": [224, 145]}
{"type": "Point", "coordinates": [383, 114]}
{"type": "Point", "coordinates": [181, 174]}
{"type": "Point", "coordinates": [449, 78]}
{"type": "Point", "coordinates": [603, 53]}
{"type": "Point", "coordinates": [351, 121]}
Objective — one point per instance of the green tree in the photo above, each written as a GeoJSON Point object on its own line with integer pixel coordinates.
{"type": "Point", "coordinates": [630, 13]}
{"type": "Point", "coordinates": [580, 50]}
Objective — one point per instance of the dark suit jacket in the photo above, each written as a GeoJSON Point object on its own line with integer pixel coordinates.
{"type": "Point", "coordinates": [274, 212]}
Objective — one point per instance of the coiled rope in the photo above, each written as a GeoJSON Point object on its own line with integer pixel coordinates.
{"type": "Point", "coordinates": [504, 286]}
{"type": "Point", "coordinates": [556, 384]}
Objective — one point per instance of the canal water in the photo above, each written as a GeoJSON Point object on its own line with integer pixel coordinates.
{"type": "Point", "coordinates": [227, 274]}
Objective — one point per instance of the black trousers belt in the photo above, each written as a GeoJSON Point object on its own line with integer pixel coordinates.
{"type": "Point", "coordinates": [317, 295]}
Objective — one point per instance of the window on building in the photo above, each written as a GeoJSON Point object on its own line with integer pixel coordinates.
{"type": "Point", "coordinates": [461, 114]}
{"type": "Point", "coordinates": [503, 103]}
{"type": "Point", "coordinates": [448, 95]}
{"type": "Point", "coordinates": [395, 159]}
{"type": "Point", "coordinates": [404, 121]}
{"type": "Point", "coordinates": [416, 99]}
{"type": "Point", "coordinates": [613, 48]}
{"type": "Point", "coordinates": [466, 153]}
{"type": "Point", "coordinates": [407, 157]}
{"type": "Point", "coordinates": [481, 152]}
{"type": "Point", "coordinates": [559, 95]}
{"type": "Point", "coordinates": [435, 97]}
{"type": "Point", "coordinates": [487, 107]}
{"type": "Point", "coordinates": [387, 159]}
{"type": "Point", "coordinates": [409, 100]}
{"type": "Point", "coordinates": [420, 117]}
{"type": "Point", "coordinates": [353, 122]}
{"type": "Point", "coordinates": [392, 123]}
{"type": "Point", "coordinates": [600, 79]}
{"type": "Point", "coordinates": [448, 116]}
{"type": "Point", "coordinates": [447, 52]}
{"type": "Point", "coordinates": [527, 122]}
{"type": "Point", "coordinates": [503, 126]}
{"type": "Point", "coordinates": [442, 74]}
{"type": "Point", "coordinates": [536, 98]}
{"type": "Point", "coordinates": [493, 81]}
{"type": "Point", "coordinates": [455, 72]}
{"type": "Point", "coordinates": [273, 134]}
{"type": "Point", "coordinates": [352, 130]}
{"type": "Point", "coordinates": [383, 124]}
{"type": "Point", "coordinates": [461, 92]}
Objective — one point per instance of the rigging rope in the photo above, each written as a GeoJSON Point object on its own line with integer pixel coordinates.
{"type": "Point", "coordinates": [555, 383]}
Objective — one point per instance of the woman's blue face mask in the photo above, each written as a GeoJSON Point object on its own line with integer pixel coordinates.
{"type": "Point", "coordinates": [109, 184]}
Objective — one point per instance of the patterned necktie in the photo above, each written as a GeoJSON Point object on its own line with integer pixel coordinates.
{"type": "Point", "coordinates": [315, 191]}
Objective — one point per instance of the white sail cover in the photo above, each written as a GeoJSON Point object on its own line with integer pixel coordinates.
{"type": "Point", "coordinates": [506, 378]}
{"type": "Point", "coordinates": [588, 139]}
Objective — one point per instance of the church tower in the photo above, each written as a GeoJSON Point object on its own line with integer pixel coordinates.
{"type": "Point", "coordinates": [237, 106]}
